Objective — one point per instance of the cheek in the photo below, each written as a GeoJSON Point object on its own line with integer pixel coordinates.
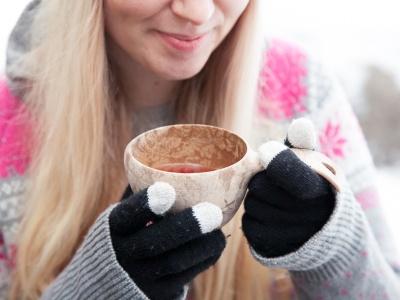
{"type": "Point", "coordinates": [128, 15]}
{"type": "Point", "coordinates": [121, 15]}
{"type": "Point", "coordinates": [137, 9]}
{"type": "Point", "coordinates": [232, 10]}
{"type": "Point", "coordinates": [125, 20]}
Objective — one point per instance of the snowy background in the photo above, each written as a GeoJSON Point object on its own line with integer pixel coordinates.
{"type": "Point", "coordinates": [360, 41]}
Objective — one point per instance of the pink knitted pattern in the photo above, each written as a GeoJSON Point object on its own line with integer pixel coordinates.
{"type": "Point", "coordinates": [282, 86]}
{"type": "Point", "coordinates": [368, 198]}
{"type": "Point", "coordinates": [332, 140]}
{"type": "Point", "coordinates": [13, 153]}
{"type": "Point", "coordinates": [8, 259]}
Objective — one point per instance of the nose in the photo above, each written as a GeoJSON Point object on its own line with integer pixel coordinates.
{"type": "Point", "coordinates": [195, 11]}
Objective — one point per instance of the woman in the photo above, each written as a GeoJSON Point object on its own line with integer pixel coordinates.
{"type": "Point", "coordinates": [85, 77]}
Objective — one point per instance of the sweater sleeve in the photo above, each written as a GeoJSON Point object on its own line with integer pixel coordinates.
{"type": "Point", "coordinates": [352, 256]}
{"type": "Point", "coordinates": [94, 272]}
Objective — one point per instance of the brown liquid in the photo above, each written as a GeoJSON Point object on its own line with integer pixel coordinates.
{"type": "Point", "coordinates": [184, 168]}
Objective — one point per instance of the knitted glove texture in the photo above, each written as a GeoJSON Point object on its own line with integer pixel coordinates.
{"type": "Point", "coordinates": [162, 251]}
{"type": "Point", "coordinates": [288, 202]}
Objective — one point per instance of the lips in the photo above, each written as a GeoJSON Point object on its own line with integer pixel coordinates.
{"type": "Point", "coordinates": [182, 43]}
{"type": "Point", "coordinates": [184, 37]}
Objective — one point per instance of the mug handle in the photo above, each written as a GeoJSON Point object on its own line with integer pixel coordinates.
{"type": "Point", "coordinates": [317, 161]}
{"type": "Point", "coordinates": [322, 165]}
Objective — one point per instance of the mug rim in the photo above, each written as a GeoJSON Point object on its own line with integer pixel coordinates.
{"type": "Point", "coordinates": [129, 145]}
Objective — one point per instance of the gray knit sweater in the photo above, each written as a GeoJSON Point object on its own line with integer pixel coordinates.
{"type": "Point", "coordinates": [94, 272]}
{"type": "Point", "coordinates": [351, 257]}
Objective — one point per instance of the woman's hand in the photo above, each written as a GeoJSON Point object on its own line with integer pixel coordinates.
{"type": "Point", "coordinates": [288, 202]}
{"type": "Point", "coordinates": [161, 253]}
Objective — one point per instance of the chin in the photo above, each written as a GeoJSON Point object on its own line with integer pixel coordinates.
{"type": "Point", "coordinates": [179, 71]}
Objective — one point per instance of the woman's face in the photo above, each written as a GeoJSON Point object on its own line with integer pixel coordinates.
{"type": "Point", "coordinates": [171, 38]}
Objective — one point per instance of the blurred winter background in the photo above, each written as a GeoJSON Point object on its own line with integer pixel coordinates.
{"type": "Point", "coordinates": [360, 41]}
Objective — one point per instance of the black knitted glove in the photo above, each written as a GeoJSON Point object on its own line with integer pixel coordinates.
{"type": "Point", "coordinates": [288, 202]}
{"type": "Point", "coordinates": [163, 252]}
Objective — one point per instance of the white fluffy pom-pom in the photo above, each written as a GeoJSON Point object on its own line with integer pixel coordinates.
{"type": "Point", "coordinates": [208, 215]}
{"type": "Point", "coordinates": [269, 151]}
{"type": "Point", "coordinates": [301, 134]}
{"type": "Point", "coordinates": [161, 197]}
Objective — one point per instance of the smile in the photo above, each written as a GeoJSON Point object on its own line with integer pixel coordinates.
{"type": "Point", "coordinates": [182, 43]}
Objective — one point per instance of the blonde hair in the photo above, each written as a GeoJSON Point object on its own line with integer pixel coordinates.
{"type": "Point", "coordinates": [81, 128]}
